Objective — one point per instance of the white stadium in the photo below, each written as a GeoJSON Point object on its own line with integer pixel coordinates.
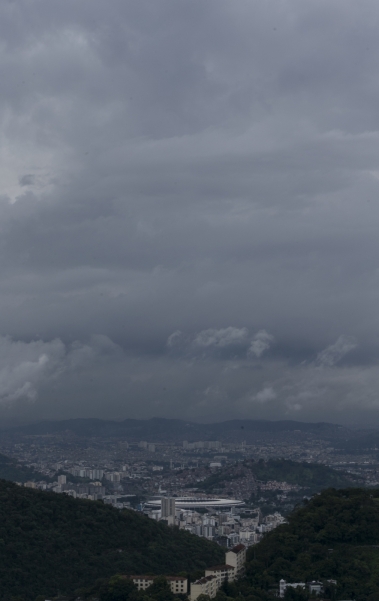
{"type": "Point", "coordinates": [197, 503]}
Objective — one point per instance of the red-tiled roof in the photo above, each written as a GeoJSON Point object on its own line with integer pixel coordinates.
{"type": "Point", "coordinates": [238, 548]}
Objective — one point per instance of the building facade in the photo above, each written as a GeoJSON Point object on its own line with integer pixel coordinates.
{"type": "Point", "coordinates": [283, 585]}
{"type": "Point", "coordinates": [236, 557]}
{"type": "Point", "coordinates": [208, 585]}
{"type": "Point", "coordinates": [177, 584]}
{"type": "Point", "coordinates": [168, 507]}
{"type": "Point", "coordinates": [222, 572]}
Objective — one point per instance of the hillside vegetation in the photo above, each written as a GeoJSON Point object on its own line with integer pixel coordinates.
{"type": "Point", "coordinates": [10, 469]}
{"type": "Point", "coordinates": [312, 476]}
{"type": "Point", "coordinates": [51, 543]}
{"type": "Point", "coordinates": [334, 536]}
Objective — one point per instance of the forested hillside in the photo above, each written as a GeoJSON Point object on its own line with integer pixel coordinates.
{"type": "Point", "coordinates": [51, 543]}
{"type": "Point", "coordinates": [312, 476]}
{"type": "Point", "coordinates": [334, 536]}
{"type": "Point", "coordinates": [10, 469]}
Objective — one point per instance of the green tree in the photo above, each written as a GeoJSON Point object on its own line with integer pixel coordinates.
{"type": "Point", "coordinates": [118, 588]}
{"type": "Point", "coordinates": [295, 594]}
{"type": "Point", "coordinates": [160, 590]}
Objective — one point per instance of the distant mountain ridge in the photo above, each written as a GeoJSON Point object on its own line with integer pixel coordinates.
{"type": "Point", "coordinates": [159, 429]}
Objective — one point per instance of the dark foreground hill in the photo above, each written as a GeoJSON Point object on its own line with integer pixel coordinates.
{"type": "Point", "coordinates": [51, 543]}
{"type": "Point", "coordinates": [334, 536]}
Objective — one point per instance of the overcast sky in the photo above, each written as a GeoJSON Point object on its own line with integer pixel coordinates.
{"type": "Point", "coordinates": [189, 209]}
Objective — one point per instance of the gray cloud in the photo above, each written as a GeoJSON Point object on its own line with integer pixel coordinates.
{"type": "Point", "coordinates": [265, 395]}
{"type": "Point", "coordinates": [335, 352]}
{"type": "Point", "coordinates": [197, 183]}
{"type": "Point", "coordinates": [221, 338]}
{"type": "Point", "coordinates": [27, 180]}
{"type": "Point", "coordinates": [260, 343]}
{"type": "Point", "coordinates": [26, 367]}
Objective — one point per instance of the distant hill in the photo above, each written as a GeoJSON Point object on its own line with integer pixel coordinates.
{"type": "Point", "coordinates": [10, 469]}
{"type": "Point", "coordinates": [312, 476]}
{"type": "Point", "coordinates": [362, 442]}
{"type": "Point", "coordinates": [51, 542]}
{"type": "Point", "coordinates": [159, 429]}
{"type": "Point", "coordinates": [334, 536]}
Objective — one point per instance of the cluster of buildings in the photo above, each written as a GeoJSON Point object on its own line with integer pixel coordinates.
{"type": "Point", "coordinates": [215, 576]}
{"type": "Point", "coordinates": [109, 452]}
{"type": "Point", "coordinates": [144, 468]}
{"type": "Point", "coordinates": [82, 472]}
{"type": "Point", "coordinates": [314, 587]}
{"type": "Point", "coordinates": [202, 444]}
{"type": "Point", "coordinates": [209, 584]}
{"type": "Point", "coordinates": [93, 491]}
{"type": "Point", "coordinates": [225, 520]}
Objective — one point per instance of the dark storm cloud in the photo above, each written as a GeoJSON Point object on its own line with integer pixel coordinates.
{"type": "Point", "coordinates": [189, 208]}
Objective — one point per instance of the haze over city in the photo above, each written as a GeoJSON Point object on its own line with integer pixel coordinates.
{"type": "Point", "coordinates": [189, 210]}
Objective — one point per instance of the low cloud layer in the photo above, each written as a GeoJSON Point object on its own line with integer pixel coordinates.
{"type": "Point", "coordinates": [37, 376]}
{"type": "Point", "coordinates": [188, 209]}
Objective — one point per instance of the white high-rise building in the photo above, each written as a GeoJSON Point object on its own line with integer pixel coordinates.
{"type": "Point", "coordinates": [167, 507]}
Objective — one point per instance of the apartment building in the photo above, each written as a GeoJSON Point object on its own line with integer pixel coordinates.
{"type": "Point", "coordinates": [178, 584]}
{"type": "Point", "coordinates": [167, 507]}
{"type": "Point", "coordinates": [236, 557]}
{"type": "Point", "coordinates": [215, 575]}
{"type": "Point", "coordinates": [222, 572]}
{"type": "Point", "coordinates": [208, 585]}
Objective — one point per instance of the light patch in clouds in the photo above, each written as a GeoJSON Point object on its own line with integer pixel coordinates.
{"type": "Point", "coordinates": [265, 395]}
{"type": "Point", "coordinates": [174, 339]}
{"type": "Point", "coordinates": [228, 340]}
{"type": "Point", "coordinates": [260, 343]}
{"type": "Point", "coordinates": [335, 352]}
{"type": "Point", "coordinates": [221, 338]}
{"type": "Point", "coordinates": [26, 367]}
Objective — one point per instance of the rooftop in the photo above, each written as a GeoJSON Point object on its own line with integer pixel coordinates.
{"type": "Point", "coordinates": [238, 548]}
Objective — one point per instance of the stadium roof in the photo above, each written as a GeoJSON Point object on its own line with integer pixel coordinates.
{"type": "Point", "coordinates": [197, 503]}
